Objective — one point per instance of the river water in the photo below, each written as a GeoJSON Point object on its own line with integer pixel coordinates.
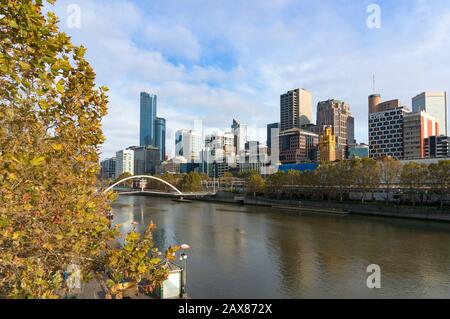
{"type": "Point", "coordinates": [259, 252]}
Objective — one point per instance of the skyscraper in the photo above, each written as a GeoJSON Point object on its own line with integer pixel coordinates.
{"type": "Point", "coordinates": [108, 168]}
{"type": "Point", "coordinates": [272, 129]}
{"type": "Point", "coordinates": [160, 137]}
{"type": "Point", "coordinates": [147, 119]}
{"type": "Point", "coordinates": [376, 105]}
{"type": "Point", "coordinates": [374, 101]}
{"type": "Point", "coordinates": [298, 146]}
{"type": "Point", "coordinates": [145, 159]}
{"type": "Point", "coordinates": [240, 135]}
{"type": "Point", "coordinates": [337, 115]}
{"type": "Point", "coordinates": [416, 128]}
{"type": "Point", "coordinates": [295, 109]}
{"type": "Point", "coordinates": [254, 157]}
{"type": "Point", "coordinates": [351, 131]}
{"type": "Point", "coordinates": [435, 104]}
{"type": "Point", "coordinates": [437, 147]}
{"type": "Point", "coordinates": [219, 154]}
{"type": "Point", "coordinates": [124, 162]}
{"type": "Point", "coordinates": [386, 132]}
{"type": "Point", "coordinates": [188, 143]}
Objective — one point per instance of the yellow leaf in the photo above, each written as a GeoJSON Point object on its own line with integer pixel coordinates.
{"type": "Point", "coordinates": [57, 147]}
{"type": "Point", "coordinates": [24, 65]}
{"type": "Point", "coordinates": [60, 87]}
{"type": "Point", "coordinates": [37, 161]}
{"type": "Point", "coordinates": [15, 159]}
{"type": "Point", "coordinates": [13, 24]}
{"type": "Point", "coordinates": [65, 65]}
{"type": "Point", "coordinates": [44, 105]}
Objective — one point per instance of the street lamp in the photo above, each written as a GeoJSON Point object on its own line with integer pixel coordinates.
{"type": "Point", "coordinates": [214, 177]}
{"type": "Point", "coordinates": [183, 257]}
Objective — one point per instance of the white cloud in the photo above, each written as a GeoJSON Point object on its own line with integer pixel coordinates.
{"type": "Point", "coordinates": [175, 40]}
{"type": "Point", "coordinates": [215, 60]}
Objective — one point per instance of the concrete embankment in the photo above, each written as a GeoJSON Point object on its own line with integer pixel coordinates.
{"type": "Point", "coordinates": [431, 213]}
{"type": "Point", "coordinates": [330, 207]}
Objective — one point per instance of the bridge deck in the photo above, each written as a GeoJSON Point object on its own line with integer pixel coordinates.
{"type": "Point", "coordinates": [195, 194]}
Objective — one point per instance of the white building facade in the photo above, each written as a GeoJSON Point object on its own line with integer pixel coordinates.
{"type": "Point", "coordinates": [219, 154]}
{"type": "Point", "coordinates": [189, 144]}
{"type": "Point", "coordinates": [124, 162]}
{"type": "Point", "coordinates": [240, 135]}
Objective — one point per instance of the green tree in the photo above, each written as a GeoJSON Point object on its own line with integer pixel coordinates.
{"type": "Point", "coordinates": [247, 173]}
{"type": "Point", "coordinates": [367, 176]}
{"type": "Point", "coordinates": [50, 131]}
{"type": "Point", "coordinates": [169, 178]}
{"type": "Point", "coordinates": [308, 180]}
{"type": "Point", "coordinates": [390, 173]}
{"type": "Point", "coordinates": [343, 175]}
{"type": "Point", "coordinates": [439, 176]}
{"type": "Point", "coordinates": [204, 176]}
{"type": "Point", "coordinates": [227, 175]}
{"type": "Point", "coordinates": [122, 176]}
{"type": "Point", "coordinates": [324, 178]}
{"type": "Point", "coordinates": [226, 181]}
{"type": "Point", "coordinates": [414, 176]}
{"type": "Point", "coordinates": [291, 179]}
{"type": "Point", "coordinates": [274, 184]}
{"type": "Point", "coordinates": [191, 182]}
{"type": "Point", "coordinates": [255, 184]}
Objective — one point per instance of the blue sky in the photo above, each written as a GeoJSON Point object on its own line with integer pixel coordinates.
{"type": "Point", "coordinates": [218, 60]}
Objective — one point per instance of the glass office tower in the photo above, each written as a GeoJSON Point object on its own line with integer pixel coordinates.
{"type": "Point", "coordinates": [148, 119]}
{"type": "Point", "coordinates": [271, 128]}
{"type": "Point", "coordinates": [160, 137]}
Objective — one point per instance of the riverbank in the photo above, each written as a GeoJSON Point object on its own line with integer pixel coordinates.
{"type": "Point", "coordinates": [340, 208]}
{"type": "Point", "coordinates": [427, 213]}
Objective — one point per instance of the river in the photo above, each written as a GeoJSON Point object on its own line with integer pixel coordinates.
{"type": "Point", "coordinates": [260, 252]}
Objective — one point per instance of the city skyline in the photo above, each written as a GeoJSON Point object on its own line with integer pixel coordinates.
{"type": "Point", "coordinates": [317, 126]}
{"type": "Point", "coordinates": [199, 72]}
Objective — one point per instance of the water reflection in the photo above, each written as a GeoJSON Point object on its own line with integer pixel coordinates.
{"type": "Point", "coordinates": [254, 252]}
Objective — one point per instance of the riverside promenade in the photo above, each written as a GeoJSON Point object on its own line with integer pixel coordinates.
{"type": "Point", "coordinates": [430, 213]}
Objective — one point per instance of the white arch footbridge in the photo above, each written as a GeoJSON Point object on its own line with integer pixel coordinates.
{"type": "Point", "coordinates": [177, 192]}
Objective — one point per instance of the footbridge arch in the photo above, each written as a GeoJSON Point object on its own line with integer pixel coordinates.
{"type": "Point", "coordinates": [141, 177]}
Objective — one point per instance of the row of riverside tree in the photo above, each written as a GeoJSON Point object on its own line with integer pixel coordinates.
{"type": "Point", "coordinates": [363, 176]}
{"type": "Point", "coordinates": [334, 180]}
